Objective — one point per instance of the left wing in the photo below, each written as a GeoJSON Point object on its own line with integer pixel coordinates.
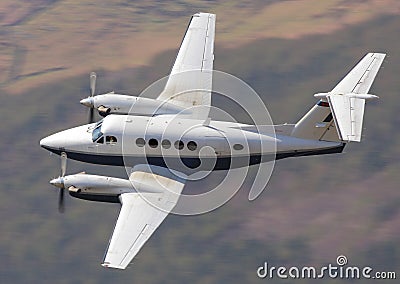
{"type": "Point", "coordinates": [142, 212]}
{"type": "Point", "coordinates": [190, 82]}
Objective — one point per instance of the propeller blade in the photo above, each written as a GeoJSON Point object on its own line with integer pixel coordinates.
{"type": "Point", "coordinates": [93, 77]}
{"type": "Point", "coordinates": [63, 163]}
{"type": "Point", "coordinates": [61, 207]}
{"type": "Point", "coordinates": [91, 115]}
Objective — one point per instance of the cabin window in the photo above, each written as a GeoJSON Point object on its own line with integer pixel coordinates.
{"type": "Point", "coordinates": [192, 145]}
{"type": "Point", "coordinates": [166, 144]}
{"type": "Point", "coordinates": [140, 142]}
{"type": "Point", "coordinates": [179, 144]}
{"type": "Point", "coordinates": [238, 147]}
{"type": "Point", "coordinates": [111, 139]}
{"type": "Point", "coordinates": [153, 143]}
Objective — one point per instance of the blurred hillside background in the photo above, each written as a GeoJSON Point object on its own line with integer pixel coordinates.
{"type": "Point", "coordinates": [314, 208]}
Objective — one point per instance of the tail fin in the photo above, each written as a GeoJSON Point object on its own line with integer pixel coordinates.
{"type": "Point", "coordinates": [338, 116]}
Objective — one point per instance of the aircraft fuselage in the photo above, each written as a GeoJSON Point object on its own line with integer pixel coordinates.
{"type": "Point", "coordinates": [178, 143]}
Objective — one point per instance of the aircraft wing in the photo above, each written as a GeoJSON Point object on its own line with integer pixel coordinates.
{"type": "Point", "coordinates": [142, 213]}
{"type": "Point", "coordinates": [190, 82]}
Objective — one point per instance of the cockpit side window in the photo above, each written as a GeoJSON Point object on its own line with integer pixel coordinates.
{"type": "Point", "coordinates": [96, 134]}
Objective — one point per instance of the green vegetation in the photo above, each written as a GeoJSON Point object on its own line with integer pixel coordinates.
{"type": "Point", "coordinates": [314, 209]}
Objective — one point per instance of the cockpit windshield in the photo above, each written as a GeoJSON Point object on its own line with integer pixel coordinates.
{"type": "Point", "coordinates": [98, 123]}
{"type": "Point", "coordinates": [96, 134]}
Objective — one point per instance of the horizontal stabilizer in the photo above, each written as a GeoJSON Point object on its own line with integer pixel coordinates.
{"type": "Point", "coordinates": [348, 113]}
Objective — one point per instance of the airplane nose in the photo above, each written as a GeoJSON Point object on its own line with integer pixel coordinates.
{"type": "Point", "coordinates": [51, 142]}
{"type": "Point", "coordinates": [67, 140]}
{"type": "Point", "coordinates": [55, 141]}
{"type": "Point", "coordinates": [43, 142]}
{"type": "Point", "coordinates": [87, 102]}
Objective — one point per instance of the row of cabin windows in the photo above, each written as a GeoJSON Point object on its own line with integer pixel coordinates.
{"type": "Point", "coordinates": [179, 144]}
{"type": "Point", "coordinates": [166, 144]}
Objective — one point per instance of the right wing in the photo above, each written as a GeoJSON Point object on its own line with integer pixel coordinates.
{"type": "Point", "coordinates": [190, 82]}
{"type": "Point", "coordinates": [142, 213]}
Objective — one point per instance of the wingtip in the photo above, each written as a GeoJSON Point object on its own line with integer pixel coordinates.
{"type": "Point", "coordinates": [377, 54]}
{"type": "Point", "coordinates": [109, 265]}
{"type": "Point", "coordinates": [199, 14]}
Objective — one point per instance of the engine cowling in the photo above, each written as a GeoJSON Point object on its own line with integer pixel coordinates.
{"type": "Point", "coordinates": [96, 188]}
{"type": "Point", "coordinates": [112, 103]}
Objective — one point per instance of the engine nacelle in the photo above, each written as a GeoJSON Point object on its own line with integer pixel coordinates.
{"type": "Point", "coordinates": [123, 104]}
{"type": "Point", "coordinates": [100, 188]}
{"type": "Point", "coordinates": [96, 188]}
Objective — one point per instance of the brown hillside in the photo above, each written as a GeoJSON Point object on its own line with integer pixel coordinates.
{"type": "Point", "coordinates": [47, 40]}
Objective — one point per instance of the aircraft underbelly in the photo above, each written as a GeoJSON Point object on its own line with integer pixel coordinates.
{"type": "Point", "coordinates": [192, 164]}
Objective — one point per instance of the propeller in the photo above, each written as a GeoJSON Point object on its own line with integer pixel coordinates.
{"type": "Point", "coordinates": [89, 101]}
{"type": "Point", "coordinates": [93, 77]}
{"type": "Point", "coordinates": [59, 182]}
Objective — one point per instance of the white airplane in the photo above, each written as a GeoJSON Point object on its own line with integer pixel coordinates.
{"type": "Point", "coordinates": [160, 140]}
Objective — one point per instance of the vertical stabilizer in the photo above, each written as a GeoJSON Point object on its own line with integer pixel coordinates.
{"type": "Point", "coordinates": [338, 116]}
